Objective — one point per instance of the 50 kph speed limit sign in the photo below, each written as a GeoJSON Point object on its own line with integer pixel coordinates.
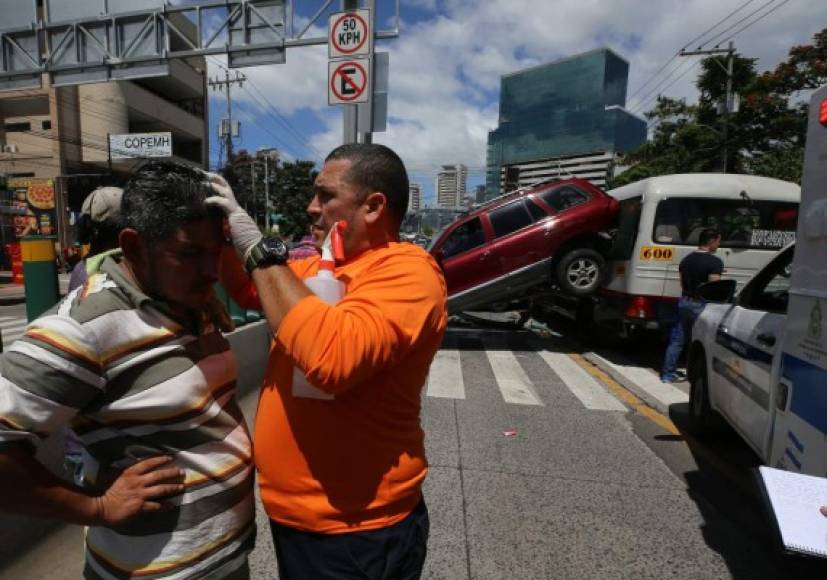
{"type": "Point", "coordinates": [349, 34]}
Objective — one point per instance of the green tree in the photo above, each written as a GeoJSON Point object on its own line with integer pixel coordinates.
{"type": "Point", "coordinates": [290, 189]}
{"type": "Point", "coordinates": [765, 136]}
{"type": "Point", "coordinates": [291, 193]}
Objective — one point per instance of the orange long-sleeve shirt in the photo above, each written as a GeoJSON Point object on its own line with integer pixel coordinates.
{"type": "Point", "coordinates": [356, 462]}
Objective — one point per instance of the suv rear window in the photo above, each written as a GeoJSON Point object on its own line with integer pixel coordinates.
{"type": "Point", "coordinates": [563, 198]}
{"type": "Point", "coordinates": [742, 223]}
{"type": "Point", "coordinates": [509, 218]}
{"type": "Point", "coordinates": [467, 236]}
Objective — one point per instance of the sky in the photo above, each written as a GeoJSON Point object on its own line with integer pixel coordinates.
{"type": "Point", "coordinates": [446, 64]}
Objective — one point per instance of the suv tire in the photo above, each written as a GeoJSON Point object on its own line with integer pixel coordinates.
{"type": "Point", "coordinates": [581, 272]}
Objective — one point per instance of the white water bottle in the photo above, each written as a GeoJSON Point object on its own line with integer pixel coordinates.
{"type": "Point", "coordinates": [324, 285]}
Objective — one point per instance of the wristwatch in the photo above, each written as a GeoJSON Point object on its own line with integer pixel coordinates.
{"type": "Point", "coordinates": [268, 251]}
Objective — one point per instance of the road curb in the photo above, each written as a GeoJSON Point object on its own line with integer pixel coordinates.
{"type": "Point", "coordinates": [631, 386]}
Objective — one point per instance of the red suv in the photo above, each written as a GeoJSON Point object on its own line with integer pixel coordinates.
{"type": "Point", "coordinates": [552, 234]}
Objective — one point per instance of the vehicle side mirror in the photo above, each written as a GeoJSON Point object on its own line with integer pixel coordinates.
{"type": "Point", "coordinates": [721, 291]}
{"type": "Point", "coordinates": [439, 255]}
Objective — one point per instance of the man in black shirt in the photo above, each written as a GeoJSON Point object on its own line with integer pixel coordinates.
{"type": "Point", "coordinates": [699, 267]}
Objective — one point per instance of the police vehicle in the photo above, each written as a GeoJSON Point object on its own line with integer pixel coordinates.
{"type": "Point", "coordinates": [759, 361]}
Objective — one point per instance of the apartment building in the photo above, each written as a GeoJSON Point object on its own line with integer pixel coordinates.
{"type": "Point", "coordinates": [61, 134]}
{"type": "Point", "coordinates": [450, 186]}
{"type": "Point", "coordinates": [414, 197]}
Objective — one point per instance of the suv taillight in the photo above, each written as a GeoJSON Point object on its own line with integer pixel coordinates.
{"type": "Point", "coordinates": [640, 307]}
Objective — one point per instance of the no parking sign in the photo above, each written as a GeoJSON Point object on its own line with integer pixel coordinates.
{"type": "Point", "coordinates": [348, 81]}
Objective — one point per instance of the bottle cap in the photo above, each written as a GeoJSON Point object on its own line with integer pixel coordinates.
{"type": "Point", "coordinates": [337, 241]}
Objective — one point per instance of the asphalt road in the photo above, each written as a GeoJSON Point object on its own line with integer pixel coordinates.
{"type": "Point", "coordinates": [543, 466]}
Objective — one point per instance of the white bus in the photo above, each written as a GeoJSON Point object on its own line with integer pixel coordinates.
{"type": "Point", "coordinates": [660, 221]}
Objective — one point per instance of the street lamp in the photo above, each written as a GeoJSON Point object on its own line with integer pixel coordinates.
{"type": "Point", "coordinates": [267, 153]}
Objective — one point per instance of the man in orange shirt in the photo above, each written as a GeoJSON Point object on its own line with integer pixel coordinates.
{"type": "Point", "coordinates": [341, 471]}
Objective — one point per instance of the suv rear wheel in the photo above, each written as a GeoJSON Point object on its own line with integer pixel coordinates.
{"type": "Point", "coordinates": [581, 272]}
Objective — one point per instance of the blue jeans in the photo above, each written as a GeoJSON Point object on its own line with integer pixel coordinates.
{"type": "Point", "coordinates": [688, 312]}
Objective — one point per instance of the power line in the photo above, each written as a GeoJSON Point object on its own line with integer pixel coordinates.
{"type": "Point", "coordinates": [736, 23]}
{"type": "Point", "coordinates": [274, 114]}
{"type": "Point", "coordinates": [686, 72]}
{"type": "Point", "coordinates": [721, 21]}
{"type": "Point", "coordinates": [661, 87]}
{"type": "Point", "coordinates": [675, 56]}
{"type": "Point", "coordinates": [296, 136]}
{"type": "Point", "coordinates": [740, 30]}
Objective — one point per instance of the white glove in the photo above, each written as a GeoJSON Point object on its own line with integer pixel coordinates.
{"type": "Point", "coordinates": [243, 229]}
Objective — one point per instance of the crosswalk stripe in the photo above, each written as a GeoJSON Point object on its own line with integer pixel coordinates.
{"type": "Point", "coordinates": [579, 382]}
{"type": "Point", "coordinates": [512, 380]}
{"type": "Point", "coordinates": [647, 381]}
{"type": "Point", "coordinates": [445, 378]}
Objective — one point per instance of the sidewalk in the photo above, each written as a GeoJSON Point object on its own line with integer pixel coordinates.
{"type": "Point", "coordinates": [16, 293]}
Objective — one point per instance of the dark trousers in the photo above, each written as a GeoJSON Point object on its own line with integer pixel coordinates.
{"type": "Point", "coordinates": [393, 553]}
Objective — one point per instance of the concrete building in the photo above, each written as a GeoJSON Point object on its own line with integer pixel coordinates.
{"type": "Point", "coordinates": [561, 119]}
{"type": "Point", "coordinates": [429, 220]}
{"type": "Point", "coordinates": [61, 133]}
{"type": "Point", "coordinates": [414, 197]}
{"type": "Point", "coordinates": [450, 186]}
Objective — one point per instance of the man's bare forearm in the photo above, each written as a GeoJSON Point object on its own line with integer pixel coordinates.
{"type": "Point", "coordinates": [279, 290]}
{"type": "Point", "coordinates": [29, 488]}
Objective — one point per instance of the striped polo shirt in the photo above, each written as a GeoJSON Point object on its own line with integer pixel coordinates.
{"type": "Point", "coordinates": [135, 383]}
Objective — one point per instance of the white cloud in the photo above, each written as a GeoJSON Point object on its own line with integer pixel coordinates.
{"type": "Point", "coordinates": [445, 71]}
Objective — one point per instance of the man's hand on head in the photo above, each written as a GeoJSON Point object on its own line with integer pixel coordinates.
{"type": "Point", "coordinates": [138, 489]}
{"type": "Point", "coordinates": [243, 229]}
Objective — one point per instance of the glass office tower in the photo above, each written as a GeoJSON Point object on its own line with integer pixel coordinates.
{"type": "Point", "coordinates": [572, 106]}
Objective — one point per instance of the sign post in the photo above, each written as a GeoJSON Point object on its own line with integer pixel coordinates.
{"type": "Point", "coordinates": [350, 75]}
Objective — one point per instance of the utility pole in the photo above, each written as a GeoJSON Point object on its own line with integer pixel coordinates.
{"type": "Point", "coordinates": [267, 193]}
{"type": "Point", "coordinates": [227, 131]}
{"type": "Point", "coordinates": [267, 153]}
{"type": "Point", "coordinates": [350, 113]}
{"type": "Point", "coordinates": [253, 186]}
{"type": "Point", "coordinates": [728, 69]}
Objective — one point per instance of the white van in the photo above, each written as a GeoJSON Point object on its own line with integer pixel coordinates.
{"type": "Point", "coordinates": [761, 361]}
{"type": "Point", "coordinates": [661, 219]}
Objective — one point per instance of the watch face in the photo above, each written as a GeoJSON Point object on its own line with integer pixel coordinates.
{"type": "Point", "coordinates": [275, 247]}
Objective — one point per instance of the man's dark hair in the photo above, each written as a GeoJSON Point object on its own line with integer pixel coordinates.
{"type": "Point", "coordinates": [376, 168]}
{"type": "Point", "coordinates": [162, 196]}
{"type": "Point", "coordinates": [707, 236]}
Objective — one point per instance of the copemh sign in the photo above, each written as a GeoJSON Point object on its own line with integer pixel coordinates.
{"type": "Point", "coordinates": [140, 145]}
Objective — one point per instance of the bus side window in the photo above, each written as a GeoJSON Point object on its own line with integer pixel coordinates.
{"type": "Point", "coordinates": [628, 222]}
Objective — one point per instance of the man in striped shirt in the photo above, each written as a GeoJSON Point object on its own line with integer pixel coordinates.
{"type": "Point", "coordinates": [135, 362]}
